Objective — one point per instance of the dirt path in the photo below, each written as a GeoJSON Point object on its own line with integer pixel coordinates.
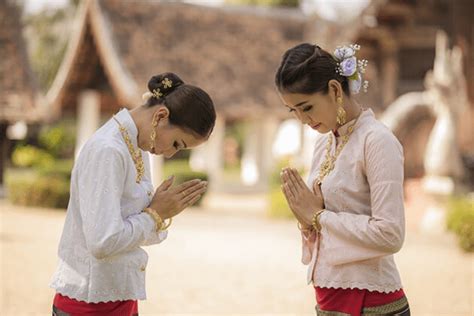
{"type": "Point", "coordinates": [224, 264]}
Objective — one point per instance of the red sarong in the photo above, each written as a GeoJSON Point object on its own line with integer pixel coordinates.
{"type": "Point", "coordinates": [352, 301]}
{"type": "Point", "coordinates": [79, 308]}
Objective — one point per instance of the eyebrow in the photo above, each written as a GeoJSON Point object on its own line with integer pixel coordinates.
{"type": "Point", "coordinates": [299, 104]}
{"type": "Point", "coordinates": [185, 146]}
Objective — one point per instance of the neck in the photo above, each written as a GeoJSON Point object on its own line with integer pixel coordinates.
{"type": "Point", "coordinates": [142, 118]}
{"type": "Point", "coordinates": [353, 109]}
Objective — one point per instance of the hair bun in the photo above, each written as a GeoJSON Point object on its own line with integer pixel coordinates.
{"type": "Point", "coordinates": [163, 84]}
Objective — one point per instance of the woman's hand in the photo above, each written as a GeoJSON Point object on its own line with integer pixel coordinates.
{"type": "Point", "coordinates": [301, 200]}
{"type": "Point", "coordinates": [170, 201]}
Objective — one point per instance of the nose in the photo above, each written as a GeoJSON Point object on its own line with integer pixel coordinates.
{"type": "Point", "coordinates": [170, 153]}
{"type": "Point", "coordinates": [305, 119]}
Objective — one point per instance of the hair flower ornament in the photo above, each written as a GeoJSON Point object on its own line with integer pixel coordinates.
{"type": "Point", "coordinates": [348, 66]}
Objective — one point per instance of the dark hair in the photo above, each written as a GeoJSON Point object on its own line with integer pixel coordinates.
{"type": "Point", "coordinates": [190, 107]}
{"type": "Point", "coordinates": [307, 69]}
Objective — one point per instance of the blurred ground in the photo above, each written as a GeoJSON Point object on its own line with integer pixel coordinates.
{"type": "Point", "coordinates": [229, 263]}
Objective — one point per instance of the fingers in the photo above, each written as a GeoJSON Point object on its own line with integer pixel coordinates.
{"type": "Point", "coordinates": [295, 179]}
{"type": "Point", "coordinates": [197, 190]}
{"type": "Point", "coordinates": [192, 190]}
{"type": "Point", "coordinates": [165, 185]}
{"type": "Point", "coordinates": [193, 201]}
{"type": "Point", "coordinates": [298, 179]}
{"type": "Point", "coordinates": [186, 185]}
{"type": "Point", "coordinates": [290, 196]}
{"type": "Point", "coordinates": [290, 200]}
{"type": "Point", "coordinates": [317, 189]}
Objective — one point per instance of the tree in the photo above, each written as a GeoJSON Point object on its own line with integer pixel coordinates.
{"type": "Point", "coordinates": [46, 34]}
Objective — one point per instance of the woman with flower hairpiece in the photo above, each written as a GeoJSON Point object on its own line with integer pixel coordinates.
{"type": "Point", "coordinates": [350, 212]}
{"type": "Point", "coordinates": [113, 210]}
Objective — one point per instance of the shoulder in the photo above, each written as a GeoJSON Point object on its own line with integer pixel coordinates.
{"type": "Point", "coordinates": [103, 150]}
{"type": "Point", "coordinates": [379, 137]}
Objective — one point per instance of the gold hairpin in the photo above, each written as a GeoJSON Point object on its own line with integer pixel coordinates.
{"type": "Point", "coordinates": [157, 93]}
{"type": "Point", "coordinates": [167, 83]}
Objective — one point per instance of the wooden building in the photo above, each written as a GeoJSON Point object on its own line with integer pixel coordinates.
{"type": "Point", "coordinates": [233, 52]}
{"type": "Point", "coordinates": [18, 91]}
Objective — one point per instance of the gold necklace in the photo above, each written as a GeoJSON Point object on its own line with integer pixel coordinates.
{"type": "Point", "coordinates": [135, 153]}
{"type": "Point", "coordinates": [330, 160]}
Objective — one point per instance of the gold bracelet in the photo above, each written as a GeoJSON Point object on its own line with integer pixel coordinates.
{"type": "Point", "coordinates": [167, 225]}
{"type": "Point", "coordinates": [303, 229]}
{"type": "Point", "coordinates": [160, 225]}
{"type": "Point", "coordinates": [315, 221]}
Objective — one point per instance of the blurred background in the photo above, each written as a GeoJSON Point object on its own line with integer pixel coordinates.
{"type": "Point", "coordinates": [66, 66]}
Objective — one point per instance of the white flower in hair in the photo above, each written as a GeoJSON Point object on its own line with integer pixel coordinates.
{"type": "Point", "coordinates": [355, 84]}
{"type": "Point", "coordinates": [343, 52]}
{"type": "Point", "coordinates": [146, 96]}
{"type": "Point", "coordinates": [348, 66]}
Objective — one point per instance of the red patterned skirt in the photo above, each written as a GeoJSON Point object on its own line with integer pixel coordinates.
{"type": "Point", "coordinates": [65, 306]}
{"type": "Point", "coordinates": [355, 302]}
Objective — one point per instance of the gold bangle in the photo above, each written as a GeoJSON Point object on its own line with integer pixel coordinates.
{"type": "Point", "coordinates": [160, 225]}
{"type": "Point", "coordinates": [315, 221]}
{"type": "Point", "coordinates": [298, 224]}
{"type": "Point", "coordinates": [167, 225]}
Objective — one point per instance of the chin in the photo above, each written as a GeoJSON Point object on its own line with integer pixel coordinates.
{"type": "Point", "coordinates": [323, 130]}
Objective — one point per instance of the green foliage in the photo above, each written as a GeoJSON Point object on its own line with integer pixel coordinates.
{"type": "Point", "coordinates": [182, 172]}
{"type": "Point", "coordinates": [58, 140]}
{"type": "Point", "coordinates": [31, 189]}
{"type": "Point", "coordinates": [460, 220]}
{"type": "Point", "coordinates": [30, 156]}
{"type": "Point", "coordinates": [278, 206]}
{"type": "Point", "coordinates": [61, 168]}
{"type": "Point", "coordinates": [281, 3]}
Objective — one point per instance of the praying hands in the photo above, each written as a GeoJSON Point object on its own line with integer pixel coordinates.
{"type": "Point", "coordinates": [302, 201]}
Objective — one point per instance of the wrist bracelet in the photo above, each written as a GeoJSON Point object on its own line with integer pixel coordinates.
{"type": "Point", "coordinates": [160, 225]}
{"type": "Point", "coordinates": [315, 221]}
{"type": "Point", "coordinates": [300, 227]}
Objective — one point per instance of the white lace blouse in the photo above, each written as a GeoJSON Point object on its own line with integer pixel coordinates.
{"type": "Point", "coordinates": [100, 254]}
{"type": "Point", "coordinates": [364, 222]}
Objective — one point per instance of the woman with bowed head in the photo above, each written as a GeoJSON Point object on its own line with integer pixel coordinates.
{"type": "Point", "coordinates": [113, 210]}
{"type": "Point", "coordinates": [350, 211]}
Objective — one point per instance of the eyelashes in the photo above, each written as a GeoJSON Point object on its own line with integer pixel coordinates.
{"type": "Point", "coordinates": [305, 109]}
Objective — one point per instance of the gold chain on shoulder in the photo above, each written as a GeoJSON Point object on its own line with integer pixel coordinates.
{"type": "Point", "coordinates": [135, 153]}
{"type": "Point", "coordinates": [330, 160]}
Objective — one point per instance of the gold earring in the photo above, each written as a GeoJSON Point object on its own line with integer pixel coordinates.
{"type": "Point", "coordinates": [153, 134]}
{"type": "Point", "coordinates": [341, 113]}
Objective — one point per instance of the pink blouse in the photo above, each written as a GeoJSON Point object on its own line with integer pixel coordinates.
{"type": "Point", "coordinates": [363, 224]}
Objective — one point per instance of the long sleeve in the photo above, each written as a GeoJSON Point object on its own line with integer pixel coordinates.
{"type": "Point", "coordinates": [353, 237]}
{"type": "Point", "coordinates": [101, 184]}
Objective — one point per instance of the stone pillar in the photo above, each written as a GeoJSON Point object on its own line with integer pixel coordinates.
{"type": "Point", "coordinates": [250, 172]}
{"type": "Point", "coordinates": [266, 159]}
{"type": "Point", "coordinates": [209, 157]}
{"type": "Point", "coordinates": [257, 159]}
{"type": "Point", "coordinates": [88, 117]}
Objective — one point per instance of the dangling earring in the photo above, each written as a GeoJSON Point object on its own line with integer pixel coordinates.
{"type": "Point", "coordinates": [341, 113]}
{"type": "Point", "coordinates": [154, 123]}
